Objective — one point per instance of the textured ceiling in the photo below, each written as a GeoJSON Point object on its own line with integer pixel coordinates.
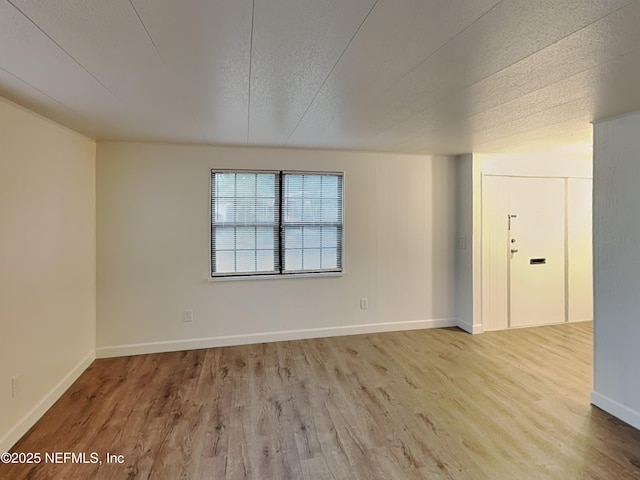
{"type": "Point", "coordinates": [415, 76]}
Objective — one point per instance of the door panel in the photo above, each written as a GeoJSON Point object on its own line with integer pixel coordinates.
{"type": "Point", "coordinates": [580, 272]}
{"type": "Point", "coordinates": [495, 244]}
{"type": "Point", "coordinates": [537, 251]}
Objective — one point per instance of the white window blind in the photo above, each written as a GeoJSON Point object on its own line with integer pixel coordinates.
{"type": "Point", "coordinates": [245, 223]}
{"type": "Point", "coordinates": [268, 223]}
{"type": "Point", "coordinates": [312, 222]}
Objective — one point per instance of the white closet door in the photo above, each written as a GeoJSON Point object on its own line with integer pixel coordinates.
{"type": "Point", "coordinates": [536, 251]}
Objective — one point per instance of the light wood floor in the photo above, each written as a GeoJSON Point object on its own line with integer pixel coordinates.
{"type": "Point", "coordinates": [425, 404]}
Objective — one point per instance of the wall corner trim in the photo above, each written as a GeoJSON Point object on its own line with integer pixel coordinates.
{"type": "Point", "coordinates": [251, 338]}
{"type": "Point", "coordinates": [618, 410]}
{"type": "Point", "coordinates": [9, 439]}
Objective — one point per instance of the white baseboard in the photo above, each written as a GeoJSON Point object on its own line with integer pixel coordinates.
{"type": "Point", "coordinates": [229, 340]}
{"type": "Point", "coordinates": [469, 327]}
{"type": "Point", "coordinates": [624, 413]}
{"type": "Point", "coordinates": [39, 409]}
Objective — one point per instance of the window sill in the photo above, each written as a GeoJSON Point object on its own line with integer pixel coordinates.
{"type": "Point", "coordinates": [278, 277]}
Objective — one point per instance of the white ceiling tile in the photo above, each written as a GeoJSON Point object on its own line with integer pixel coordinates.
{"type": "Point", "coordinates": [386, 75]}
{"type": "Point", "coordinates": [484, 49]}
{"type": "Point", "coordinates": [397, 37]}
{"type": "Point", "coordinates": [38, 73]}
{"type": "Point", "coordinates": [565, 66]}
{"type": "Point", "coordinates": [296, 44]}
{"type": "Point", "coordinates": [108, 40]}
{"type": "Point", "coordinates": [205, 46]}
{"type": "Point", "coordinates": [506, 35]}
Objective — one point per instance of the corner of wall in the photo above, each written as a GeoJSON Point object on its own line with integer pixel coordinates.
{"type": "Point", "coordinates": [47, 401]}
{"type": "Point", "coordinates": [48, 282]}
{"type": "Point", "coordinates": [466, 238]}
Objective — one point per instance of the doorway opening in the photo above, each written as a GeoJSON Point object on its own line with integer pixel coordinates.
{"type": "Point", "coordinates": [536, 251]}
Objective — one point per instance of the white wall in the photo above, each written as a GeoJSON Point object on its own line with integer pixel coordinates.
{"type": "Point", "coordinates": [464, 237]}
{"type": "Point", "coordinates": [153, 250]}
{"type": "Point", "coordinates": [616, 248]}
{"type": "Point", "coordinates": [544, 164]}
{"type": "Point", "coordinates": [47, 265]}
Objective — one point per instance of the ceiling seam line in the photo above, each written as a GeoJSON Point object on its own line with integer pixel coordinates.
{"type": "Point", "coordinates": [330, 72]}
{"type": "Point", "coordinates": [63, 49]}
{"type": "Point", "coordinates": [64, 106]}
{"type": "Point", "coordinates": [253, 18]}
{"type": "Point", "coordinates": [195, 118]}
{"type": "Point", "coordinates": [430, 55]}
{"type": "Point", "coordinates": [521, 59]}
{"type": "Point", "coordinates": [457, 92]}
{"type": "Point", "coordinates": [145, 30]}
{"type": "Point", "coordinates": [581, 72]}
{"type": "Point", "coordinates": [434, 131]}
{"type": "Point", "coordinates": [37, 89]}
{"type": "Point", "coordinates": [502, 139]}
{"type": "Point", "coordinates": [504, 68]}
{"type": "Point", "coordinates": [413, 116]}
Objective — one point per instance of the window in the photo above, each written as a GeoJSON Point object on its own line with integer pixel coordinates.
{"type": "Point", "coordinates": [273, 223]}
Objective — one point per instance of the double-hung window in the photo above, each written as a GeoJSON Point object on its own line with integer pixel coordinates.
{"type": "Point", "coordinates": [275, 222]}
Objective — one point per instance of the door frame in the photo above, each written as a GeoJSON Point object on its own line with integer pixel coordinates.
{"type": "Point", "coordinates": [495, 307]}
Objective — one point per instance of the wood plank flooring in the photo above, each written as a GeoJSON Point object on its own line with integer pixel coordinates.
{"type": "Point", "coordinates": [430, 404]}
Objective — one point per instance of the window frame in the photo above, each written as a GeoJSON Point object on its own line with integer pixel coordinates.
{"type": "Point", "coordinates": [279, 241]}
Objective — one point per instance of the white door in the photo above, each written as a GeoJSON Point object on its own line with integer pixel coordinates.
{"type": "Point", "coordinates": [536, 251]}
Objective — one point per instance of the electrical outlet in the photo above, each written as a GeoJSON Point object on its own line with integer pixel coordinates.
{"type": "Point", "coordinates": [187, 315]}
{"type": "Point", "coordinates": [463, 243]}
{"type": "Point", "coordinates": [364, 303]}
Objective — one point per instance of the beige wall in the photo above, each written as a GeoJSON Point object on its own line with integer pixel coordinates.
{"type": "Point", "coordinates": [153, 250]}
{"type": "Point", "coordinates": [47, 264]}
